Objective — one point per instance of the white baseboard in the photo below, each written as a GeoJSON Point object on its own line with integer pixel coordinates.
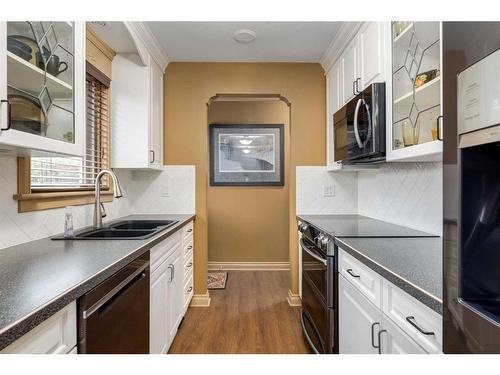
{"type": "Point", "coordinates": [248, 266]}
{"type": "Point", "coordinates": [293, 299]}
{"type": "Point", "coordinates": [200, 300]}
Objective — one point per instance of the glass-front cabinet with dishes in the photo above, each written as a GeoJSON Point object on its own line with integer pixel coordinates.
{"type": "Point", "coordinates": [42, 87]}
{"type": "Point", "coordinates": [416, 92]}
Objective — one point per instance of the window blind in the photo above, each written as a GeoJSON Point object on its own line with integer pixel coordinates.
{"type": "Point", "coordinates": [78, 173]}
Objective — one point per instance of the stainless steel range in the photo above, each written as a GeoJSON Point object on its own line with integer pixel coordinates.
{"type": "Point", "coordinates": [319, 296]}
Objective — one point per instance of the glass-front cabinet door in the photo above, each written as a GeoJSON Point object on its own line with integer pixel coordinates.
{"type": "Point", "coordinates": [416, 91]}
{"type": "Point", "coordinates": [42, 86]}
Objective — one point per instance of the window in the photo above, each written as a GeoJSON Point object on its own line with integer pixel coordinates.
{"type": "Point", "coordinates": [49, 182]}
{"type": "Point", "coordinates": [73, 173]}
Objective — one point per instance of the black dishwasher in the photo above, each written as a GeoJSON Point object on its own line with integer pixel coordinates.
{"type": "Point", "coordinates": [113, 318]}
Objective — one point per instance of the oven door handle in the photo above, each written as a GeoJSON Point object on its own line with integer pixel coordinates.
{"type": "Point", "coordinates": [360, 143]}
{"type": "Point", "coordinates": [304, 330]}
{"type": "Point", "coordinates": [315, 256]}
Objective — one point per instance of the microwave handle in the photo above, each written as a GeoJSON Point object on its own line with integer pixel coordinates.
{"type": "Point", "coordinates": [356, 131]}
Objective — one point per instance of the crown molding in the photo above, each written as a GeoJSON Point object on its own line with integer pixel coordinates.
{"type": "Point", "coordinates": [346, 33]}
{"type": "Point", "coordinates": [147, 43]}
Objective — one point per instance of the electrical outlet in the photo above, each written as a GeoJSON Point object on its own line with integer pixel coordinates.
{"type": "Point", "coordinates": [165, 191]}
{"type": "Point", "coordinates": [328, 190]}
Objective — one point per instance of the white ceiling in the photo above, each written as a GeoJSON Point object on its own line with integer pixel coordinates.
{"type": "Point", "coordinates": [276, 41]}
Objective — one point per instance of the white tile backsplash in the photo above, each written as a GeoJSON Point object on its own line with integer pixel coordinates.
{"type": "Point", "coordinates": [408, 194]}
{"type": "Point", "coordinates": [311, 183]}
{"type": "Point", "coordinates": [141, 195]}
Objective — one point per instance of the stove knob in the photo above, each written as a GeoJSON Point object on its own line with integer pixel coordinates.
{"type": "Point", "coordinates": [319, 240]}
{"type": "Point", "coordinates": [325, 241]}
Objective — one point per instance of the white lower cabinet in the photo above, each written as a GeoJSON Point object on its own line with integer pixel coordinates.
{"type": "Point", "coordinates": [158, 340]}
{"type": "Point", "coordinates": [393, 340]}
{"type": "Point", "coordinates": [188, 259]}
{"type": "Point", "coordinates": [166, 301]}
{"type": "Point", "coordinates": [56, 335]}
{"type": "Point", "coordinates": [358, 320]}
{"type": "Point", "coordinates": [382, 325]}
{"type": "Point", "coordinates": [175, 293]}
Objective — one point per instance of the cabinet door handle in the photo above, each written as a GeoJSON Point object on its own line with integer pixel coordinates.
{"type": "Point", "coordinates": [373, 336]}
{"type": "Point", "coordinates": [189, 289]}
{"type": "Point", "coordinates": [8, 113]}
{"type": "Point", "coordinates": [349, 271]}
{"type": "Point", "coordinates": [380, 340]}
{"type": "Point", "coordinates": [438, 127]}
{"type": "Point", "coordinates": [353, 89]}
{"type": "Point", "coordinates": [153, 155]}
{"type": "Point", "coordinates": [172, 272]}
{"type": "Point", "coordinates": [411, 320]}
{"type": "Point", "coordinates": [357, 86]}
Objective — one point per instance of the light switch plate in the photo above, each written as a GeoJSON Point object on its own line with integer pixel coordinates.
{"type": "Point", "coordinates": [328, 190]}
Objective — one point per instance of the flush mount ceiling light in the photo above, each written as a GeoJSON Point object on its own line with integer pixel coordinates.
{"type": "Point", "coordinates": [244, 36]}
{"type": "Point", "coordinates": [246, 142]}
{"type": "Point", "coordinates": [246, 151]}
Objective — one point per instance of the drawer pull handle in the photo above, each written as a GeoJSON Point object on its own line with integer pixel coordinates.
{"type": "Point", "coordinates": [190, 247]}
{"type": "Point", "coordinates": [373, 336]}
{"type": "Point", "coordinates": [189, 265]}
{"type": "Point", "coordinates": [189, 289]}
{"type": "Point", "coordinates": [190, 230]}
{"type": "Point", "coordinates": [380, 340]}
{"type": "Point", "coordinates": [349, 271]}
{"type": "Point", "coordinates": [411, 320]}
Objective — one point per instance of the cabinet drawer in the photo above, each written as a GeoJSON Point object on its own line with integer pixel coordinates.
{"type": "Point", "coordinates": [161, 251]}
{"type": "Point", "coordinates": [413, 317]}
{"type": "Point", "coordinates": [188, 292]}
{"type": "Point", "coordinates": [56, 335]}
{"type": "Point", "coordinates": [188, 266]}
{"type": "Point", "coordinates": [367, 281]}
{"type": "Point", "coordinates": [187, 230]}
{"type": "Point", "coordinates": [188, 245]}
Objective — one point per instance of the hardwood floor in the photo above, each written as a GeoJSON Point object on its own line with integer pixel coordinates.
{"type": "Point", "coordinates": [250, 316]}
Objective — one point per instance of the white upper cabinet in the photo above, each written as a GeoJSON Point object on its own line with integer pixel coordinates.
{"type": "Point", "coordinates": [371, 54]}
{"type": "Point", "coordinates": [413, 125]}
{"type": "Point", "coordinates": [42, 87]}
{"type": "Point", "coordinates": [333, 94]}
{"type": "Point", "coordinates": [137, 113]}
{"type": "Point", "coordinates": [137, 99]}
{"type": "Point", "coordinates": [156, 126]}
{"type": "Point", "coordinates": [349, 71]}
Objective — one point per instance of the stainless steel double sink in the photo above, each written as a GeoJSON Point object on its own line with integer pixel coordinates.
{"type": "Point", "coordinates": [123, 230]}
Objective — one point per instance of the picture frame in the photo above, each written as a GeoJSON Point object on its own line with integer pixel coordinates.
{"type": "Point", "coordinates": [247, 154]}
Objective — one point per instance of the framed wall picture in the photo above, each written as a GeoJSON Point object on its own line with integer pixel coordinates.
{"type": "Point", "coordinates": [247, 155]}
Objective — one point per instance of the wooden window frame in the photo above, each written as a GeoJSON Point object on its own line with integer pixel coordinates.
{"type": "Point", "coordinates": [29, 200]}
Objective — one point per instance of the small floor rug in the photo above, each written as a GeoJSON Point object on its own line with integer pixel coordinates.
{"type": "Point", "coordinates": [217, 280]}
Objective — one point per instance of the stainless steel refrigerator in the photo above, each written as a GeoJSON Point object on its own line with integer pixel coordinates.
{"type": "Point", "coordinates": [471, 187]}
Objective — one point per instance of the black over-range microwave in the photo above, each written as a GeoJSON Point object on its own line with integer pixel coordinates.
{"type": "Point", "coordinates": [359, 127]}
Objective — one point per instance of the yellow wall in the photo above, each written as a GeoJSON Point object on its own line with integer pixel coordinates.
{"type": "Point", "coordinates": [249, 223]}
{"type": "Point", "coordinates": [188, 88]}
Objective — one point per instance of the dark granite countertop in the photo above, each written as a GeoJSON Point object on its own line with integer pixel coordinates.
{"type": "Point", "coordinates": [39, 278]}
{"type": "Point", "coordinates": [412, 264]}
{"type": "Point", "coordinates": [359, 226]}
